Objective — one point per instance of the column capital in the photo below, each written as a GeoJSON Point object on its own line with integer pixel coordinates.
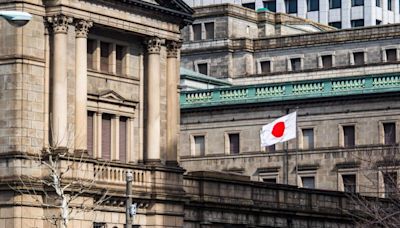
{"type": "Point", "coordinates": [82, 28]}
{"type": "Point", "coordinates": [154, 45]}
{"type": "Point", "coordinates": [173, 48]}
{"type": "Point", "coordinates": [59, 23]}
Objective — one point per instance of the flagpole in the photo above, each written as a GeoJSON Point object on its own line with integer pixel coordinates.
{"type": "Point", "coordinates": [297, 148]}
{"type": "Point", "coordinates": [286, 162]}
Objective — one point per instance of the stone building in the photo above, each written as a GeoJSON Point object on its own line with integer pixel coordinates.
{"type": "Point", "coordinates": [344, 85]}
{"type": "Point", "coordinates": [337, 13]}
{"type": "Point", "coordinates": [98, 78]}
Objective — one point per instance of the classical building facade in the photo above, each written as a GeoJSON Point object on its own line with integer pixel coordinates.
{"type": "Point", "coordinates": [97, 78]}
{"type": "Point", "coordinates": [337, 13]}
{"type": "Point", "coordinates": [343, 84]}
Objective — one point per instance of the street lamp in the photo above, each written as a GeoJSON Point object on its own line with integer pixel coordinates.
{"type": "Point", "coordinates": [16, 18]}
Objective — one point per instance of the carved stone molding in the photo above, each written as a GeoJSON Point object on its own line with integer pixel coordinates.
{"type": "Point", "coordinates": [82, 28]}
{"type": "Point", "coordinates": [154, 45]}
{"type": "Point", "coordinates": [173, 48]}
{"type": "Point", "coordinates": [59, 23]}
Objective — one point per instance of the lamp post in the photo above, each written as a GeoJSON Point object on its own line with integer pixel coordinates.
{"type": "Point", "coordinates": [16, 18]}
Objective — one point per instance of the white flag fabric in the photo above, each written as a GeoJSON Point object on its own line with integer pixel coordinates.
{"type": "Point", "coordinates": [280, 130]}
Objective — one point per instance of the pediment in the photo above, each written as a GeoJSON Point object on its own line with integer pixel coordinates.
{"type": "Point", "coordinates": [111, 95]}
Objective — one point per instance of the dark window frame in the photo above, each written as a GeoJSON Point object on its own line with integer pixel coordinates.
{"type": "Point", "coordinates": [234, 149]}
{"type": "Point", "coordinates": [200, 68]}
{"type": "Point", "coordinates": [270, 5]}
{"type": "Point", "coordinates": [389, 133]}
{"type": "Point", "coordinates": [335, 4]}
{"type": "Point", "coordinates": [349, 136]}
{"type": "Point", "coordinates": [357, 3]}
{"type": "Point", "coordinates": [202, 151]}
{"type": "Point", "coordinates": [324, 60]}
{"type": "Point", "coordinates": [291, 6]}
{"type": "Point", "coordinates": [312, 5]}
{"type": "Point", "coordinates": [295, 64]}
{"type": "Point", "coordinates": [349, 183]}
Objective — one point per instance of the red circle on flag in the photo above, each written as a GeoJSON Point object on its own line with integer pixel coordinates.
{"type": "Point", "coordinates": [278, 129]}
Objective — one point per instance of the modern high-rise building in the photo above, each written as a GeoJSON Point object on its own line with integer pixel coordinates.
{"type": "Point", "coordinates": [337, 13]}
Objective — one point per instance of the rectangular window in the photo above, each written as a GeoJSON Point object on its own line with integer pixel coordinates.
{"type": "Point", "coordinates": [378, 3]}
{"type": "Point", "coordinates": [269, 180]}
{"type": "Point", "coordinates": [209, 30]}
{"type": "Point", "coordinates": [390, 6]}
{"type": "Point", "coordinates": [90, 53]}
{"type": "Point", "coordinates": [312, 5]}
{"type": "Point", "coordinates": [99, 225]}
{"type": "Point", "coordinates": [196, 31]}
{"type": "Point", "coordinates": [234, 144]}
{"type": "Point", "coordinates": [202, 68]}
{"type": "Point", "coordinates": [119, 52]}
{"type": "Point", "coordinates": [357, 2]}
{"type": "Point", "coordinates": [296, 64]}
{"type": "Point", "coordinates": [271, 148]}
{"type": "Point", "coordinates": [265, 66]}
{"type": "Point", "coordinates": [348, 136]}
{"type": "Point", "coordinates": [90, 132]}
{"type": "Point", "coordinates": [357, 23]}
{"type": "Point", "coordinates": [391, 55]}
{"type": "Point", "coordinates": [104, 56]}
{"type": "Point", "coordinates": [122, 139]}
{"type": "Point", "coordinates": [251, 5]}
{"type": "Point", "coordinates": [390, 183]}
{"type": "Point", "coordinates": [336, 24]}
{"type": "Point", "coordinates": [308, 138]}
{"type": "Point", "coordinates": [199, 145]}
{"type": "Point", "coordinates": [106, 137]}
{"type": "Point", "coordinates": [308, 182]}
{"type": "Point", "coordinates": [389, 130]}
{"type": "Point", "coordinates": [270, 5]}
{"type": "Point", "coordinates": [349, 183]}
{"type": "Point", "coordinates": [291, 6]}
{"type": "Point", "coordinates": [335, 4]}
{"type": "Point", "coordinates": [326, 61]}
{"type": "Point", "coordinates": [358, 58]}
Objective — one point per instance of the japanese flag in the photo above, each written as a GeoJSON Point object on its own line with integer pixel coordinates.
{"type": "Point", "coordinates": [280, 130]}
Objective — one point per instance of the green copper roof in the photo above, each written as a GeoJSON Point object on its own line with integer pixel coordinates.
{"type": "Point", "coordinates": [331, 87]}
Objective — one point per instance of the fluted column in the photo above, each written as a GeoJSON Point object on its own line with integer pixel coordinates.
{"type": "Point", "coordinates": [58, 116]}
{"type": "Point", "coordinates": [152, 93]}
{"type": "Point", "coordinates": [81, 28]}
{"type": "Point", "coordinates": [172, 102]}
{"type": "Point", "coordinates": [81, 31]}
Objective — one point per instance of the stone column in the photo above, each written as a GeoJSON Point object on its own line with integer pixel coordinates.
{"type": "Point", "coordinates": [97, 135]}
{"type": "Point", "coordinates": [82, 29]}
{"type": "Point", "coordinates": [152, 94]}
{"type": "Point", "coordinates": [115, 138]}
{"type": "Point", "coordinates": [58, 123]}
{"type": "Point", "coordinates": [172, 102]}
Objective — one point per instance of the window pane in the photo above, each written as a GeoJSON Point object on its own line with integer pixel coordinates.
{"type": "Point", "coordinates": [390, 133]}
{"type": "Point", "coordinates": [358, 58]}
{"type": "Point", "coordinates": [90, 133]}
{"type": "Point", "coordinates": [104, 54]}
{"type": "Point", "coordinates": [357, 23]}
{"type": "Point", "coordinates": [389, 4]}
{"type": "Point", "coordinates": [327, 61]}
{"type": "Point", "coordinates": [234, 143]}
{"type": "Point", "coordinates": [122, 139]}
{"type": "Point", "coordinates": [119, 51]}
{"type": "Point", "coordinates": [291, 6]}
{"type": "Point", "coordinates": [390, 182]}
{"type": "Point", "coordinates": [349, 183]}
{"type": "Point", "coordinates": [336, 24]}
{"type": "Point", "coordinates": [270, 148]}
{"type": "Point", "coordinates": [209, 30]}
{"type": "Point", "coordinates": [308, 182]}
{"type": "Point", "coordinates": [251, 5]}
{"type": "Point", "coordinates": [357, 2]}
{"type": "Point", "coordinates": [334, 4]}
{"type": "Point", "coordinates": [296, 64]}
{"type": "Point", "coordinates": [90, 53]}
{"type": "Point", "coordinates": [106, 137]}
{"type": "Point", "coordinates": [378, 3]}
{"type": "Point", "coordinates": [202, 68]}
{"type": "Point", "coordinates": [197, 31]}
{"type": "Point", "coordinates": [199, 148]}
{"type": "Point", "coordinates": [265, 66]}
{"type": "Point", "coordinates": [270, 5]}
{"type": "Point", "coordinates": [348, 136]}
{"type": "Point", "coordinates": [308, 138]}
{"type": "Point", "coordinates": [391, 55]}
{"type": "Point", "coordinates": [312, 5]}
{"type": "Point", "coordinates": [269, 180]}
